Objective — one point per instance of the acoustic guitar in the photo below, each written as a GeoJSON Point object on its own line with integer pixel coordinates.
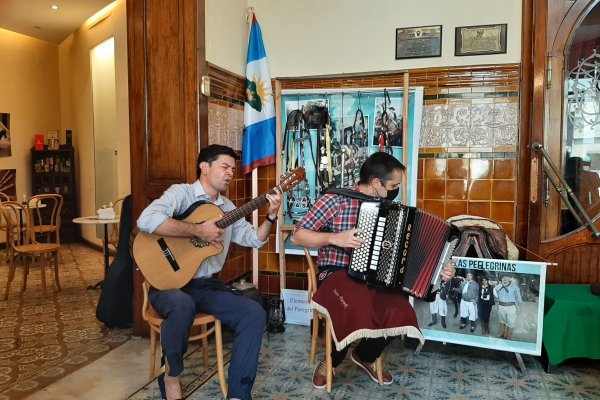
{"type": "Point", "coordinates": [170, 262]}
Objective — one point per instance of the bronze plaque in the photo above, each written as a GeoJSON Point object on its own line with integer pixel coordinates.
{"type": "Point", "coordinates": [419, 42]}
{"type": "Point", "coordinates": [480, 40]}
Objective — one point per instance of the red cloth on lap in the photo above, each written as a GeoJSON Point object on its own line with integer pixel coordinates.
{"type": "Point", "coordinates": [357, 310]}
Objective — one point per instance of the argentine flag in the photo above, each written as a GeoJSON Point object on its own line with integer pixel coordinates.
{"type": "Point", "coordinates": [259, 106]}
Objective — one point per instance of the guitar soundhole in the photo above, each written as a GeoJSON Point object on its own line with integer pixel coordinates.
{"type": "Point", "coordinates": [197, 242]}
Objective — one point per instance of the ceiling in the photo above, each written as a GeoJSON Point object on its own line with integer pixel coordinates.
{"type": "Point", "coordinates": [35, 18]}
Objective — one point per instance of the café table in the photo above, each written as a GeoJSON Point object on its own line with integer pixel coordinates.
{"type": "Point", "coordinates": [96, 220]}
{"type": "Point", "coordinates": [571, 323]}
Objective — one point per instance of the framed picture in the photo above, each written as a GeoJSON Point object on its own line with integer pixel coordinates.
{"type": "Point", "coordinates": [419, 42]}
{"type": "Point", "coordinates": [480, 40]}
{"type": "Point", "coordinates": [502, 307]}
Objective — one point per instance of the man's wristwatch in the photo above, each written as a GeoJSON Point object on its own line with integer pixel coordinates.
{"type": "Point", "coordinates": [273, 221]}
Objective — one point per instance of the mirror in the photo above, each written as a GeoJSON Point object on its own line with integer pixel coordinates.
{"type": "Point", "coordinates": [102, 62]}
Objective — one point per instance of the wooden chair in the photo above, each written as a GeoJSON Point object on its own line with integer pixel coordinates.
{"type": "Point", "coordinates": [3, 227]}
{"type": "Point", "coordinates": [202, 320]}
{"type": "Point", "coordinates": [113, 236]}
{"type": "Point", "coordinates": [23, 245]}
{"type": "Point", "coordinates": [312, 288]}
{"type": "Point", "coordinates": [45, 213]}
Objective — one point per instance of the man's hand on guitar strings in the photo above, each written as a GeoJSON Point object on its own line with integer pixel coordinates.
{"type": "Point", "coordinates": [209, 232]}
{"type": "Point", "coordinates": [274, 201]}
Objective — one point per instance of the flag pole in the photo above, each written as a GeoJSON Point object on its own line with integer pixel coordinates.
{"type": "Point", "coordinates": [249, 13]}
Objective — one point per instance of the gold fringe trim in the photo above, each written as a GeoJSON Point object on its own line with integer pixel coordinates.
{"type": "Point", "coordinates": [368, 333]}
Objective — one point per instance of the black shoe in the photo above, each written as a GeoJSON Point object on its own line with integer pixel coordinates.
{"type": "Point", "coordinates": [462, 326]}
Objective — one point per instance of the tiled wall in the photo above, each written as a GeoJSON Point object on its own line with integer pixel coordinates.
{"type": "Point", "coordinates": [467, 155]}
{"type": "Point", "coordinates": [225, 126]}
{"type": "Point", "coordinates": [467, 160]}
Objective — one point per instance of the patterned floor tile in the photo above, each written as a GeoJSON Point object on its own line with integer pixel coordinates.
{"type": "Point", "coordinates": [439, 372]}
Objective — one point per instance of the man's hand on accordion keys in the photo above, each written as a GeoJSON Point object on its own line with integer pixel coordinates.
{"type": "Point", "coordinates": [448, 271]}
{"type": "Point", "coordinates": [349, 238]}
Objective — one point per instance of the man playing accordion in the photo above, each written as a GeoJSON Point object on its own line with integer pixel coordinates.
{"type": "Point", "coordinates": [357, 311]}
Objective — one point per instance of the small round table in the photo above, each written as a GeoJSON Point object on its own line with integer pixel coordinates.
{"type": "Point", "coordinates": [95, 220]}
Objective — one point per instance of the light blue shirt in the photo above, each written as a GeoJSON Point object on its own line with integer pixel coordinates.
{"type": "Point", "coordinates": [508, 294]}
{"type": "Point", "coordinates": [178, 198]}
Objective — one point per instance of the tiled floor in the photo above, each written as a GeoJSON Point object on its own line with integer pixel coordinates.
{"type": "Point", "coordinates": [438, 372]}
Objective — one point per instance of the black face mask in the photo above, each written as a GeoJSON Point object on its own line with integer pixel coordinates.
{"type": "Point", "coordinates": [392, 194]}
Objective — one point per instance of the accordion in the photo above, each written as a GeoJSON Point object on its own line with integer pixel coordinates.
{"type": "Point", "coordinates": [406, 248]}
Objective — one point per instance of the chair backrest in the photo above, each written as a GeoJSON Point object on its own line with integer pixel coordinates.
{"type": "Point", "coordinates": [45, 210]}
{"type": "Point", "coordinates": [113, 237]}
{"type": "Point", "coordinates": [312, 274]}
{"type": "Point", "coordinates": [16, 222]}
{"type": "Point", "coordinates": [3, 197]}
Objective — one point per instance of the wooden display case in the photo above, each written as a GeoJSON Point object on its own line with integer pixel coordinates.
{"type": "Point", "coordinates": [53, 171]}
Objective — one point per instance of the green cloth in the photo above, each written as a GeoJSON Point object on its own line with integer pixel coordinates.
{"type": "Point", "coordinates": [571, 323]}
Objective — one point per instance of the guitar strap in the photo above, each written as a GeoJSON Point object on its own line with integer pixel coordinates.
{"type": "Point", "coordinates": [190, 210]}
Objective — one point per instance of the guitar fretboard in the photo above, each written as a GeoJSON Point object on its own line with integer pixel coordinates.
{"type": "Point", "coordinates": [244, 210]}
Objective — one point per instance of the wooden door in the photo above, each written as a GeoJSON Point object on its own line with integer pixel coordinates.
{"type": "Point", "coordinates": [565, 120]}
{"type": "Point", "coordinates": [166, 57]}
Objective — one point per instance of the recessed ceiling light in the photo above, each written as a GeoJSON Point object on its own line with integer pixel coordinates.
{"type": "Point", "coordinates": [54, 7]}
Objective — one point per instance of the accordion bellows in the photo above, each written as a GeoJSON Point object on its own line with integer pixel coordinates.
{"type": "Point", "coordinates": [405, 248]}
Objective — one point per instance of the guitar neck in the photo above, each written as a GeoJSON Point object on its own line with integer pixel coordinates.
{"type": "Point", "coordinates": [239, 213]}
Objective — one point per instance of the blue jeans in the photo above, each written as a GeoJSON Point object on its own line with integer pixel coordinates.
{"type": "Point", "coordinates": [245, 316]}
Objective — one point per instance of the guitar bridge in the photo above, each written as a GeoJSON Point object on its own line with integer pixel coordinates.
{"type": "Point", "coordinates": [168, 254]}
{"type": "Point", "coordinates": [198, 243]}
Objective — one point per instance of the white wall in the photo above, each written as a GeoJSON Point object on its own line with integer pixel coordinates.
{"type": "Point", "coordinates": [318, 37]}
{"type": "Point", "coordinates": [29, 92]}
{"type": "Point", "coordinates": [77, 108]}
{"type": "Point", "coordinates": [227, 34]}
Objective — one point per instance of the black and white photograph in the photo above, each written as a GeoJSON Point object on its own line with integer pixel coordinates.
{"type": "Point", "coordinates": [489, 303]}
{"type": "Point", "coordinates": [5, 144]}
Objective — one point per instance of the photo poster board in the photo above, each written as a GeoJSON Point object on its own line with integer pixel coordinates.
{"type": "Point", "coordinates": [342, 105]}
{"type": "Point", "coordinates": [528, 277]}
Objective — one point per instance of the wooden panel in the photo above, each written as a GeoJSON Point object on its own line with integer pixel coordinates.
{"type": "Point", "coordinates": [163, 96]}
{"type": "Point", "coordinates": [164, 89]}
{"type": "Point", "coordinates": [577, 255]}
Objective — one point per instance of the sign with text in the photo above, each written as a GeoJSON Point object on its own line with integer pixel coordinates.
{"type": "Point", "coordinates": [297, 308]}
{"type": "Point", "coordinates": [490, 303]}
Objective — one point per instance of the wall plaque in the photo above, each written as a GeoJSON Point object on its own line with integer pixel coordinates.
{"type": "Point", "coordinates": [419, 42]}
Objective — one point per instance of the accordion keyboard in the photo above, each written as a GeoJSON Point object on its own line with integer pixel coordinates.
{"type": "Point", "coordinates": [389, 252]}
{"type": "Point", "coordinates": [367, 220]}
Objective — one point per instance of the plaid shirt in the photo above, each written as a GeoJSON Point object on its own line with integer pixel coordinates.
{"type": "Point", "coordinates": [332, 213]}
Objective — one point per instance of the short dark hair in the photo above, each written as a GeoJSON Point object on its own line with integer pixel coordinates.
{"type": "Point", "coordinates": [210, 153]}
{"type": "Point", "coordinates": [379, 165]}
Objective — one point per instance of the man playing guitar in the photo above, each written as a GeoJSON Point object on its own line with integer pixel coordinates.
{"type": "Point", "coordinates": [215, 171]}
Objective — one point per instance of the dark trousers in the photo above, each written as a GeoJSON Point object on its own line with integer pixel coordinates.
{"type": "Point", "coordinates": [368, 350]}
{"type": "Point", "coordinates": [245, 316]}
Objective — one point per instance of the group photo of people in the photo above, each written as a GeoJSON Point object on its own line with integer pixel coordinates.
{"type": "Point", "coordinates": [499, 305]}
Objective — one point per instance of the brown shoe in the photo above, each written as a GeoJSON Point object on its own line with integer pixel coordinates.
{"type": "Point", "coordinates": [371, 369]}
{"type": "Point", "coordinates": [320, 375]}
